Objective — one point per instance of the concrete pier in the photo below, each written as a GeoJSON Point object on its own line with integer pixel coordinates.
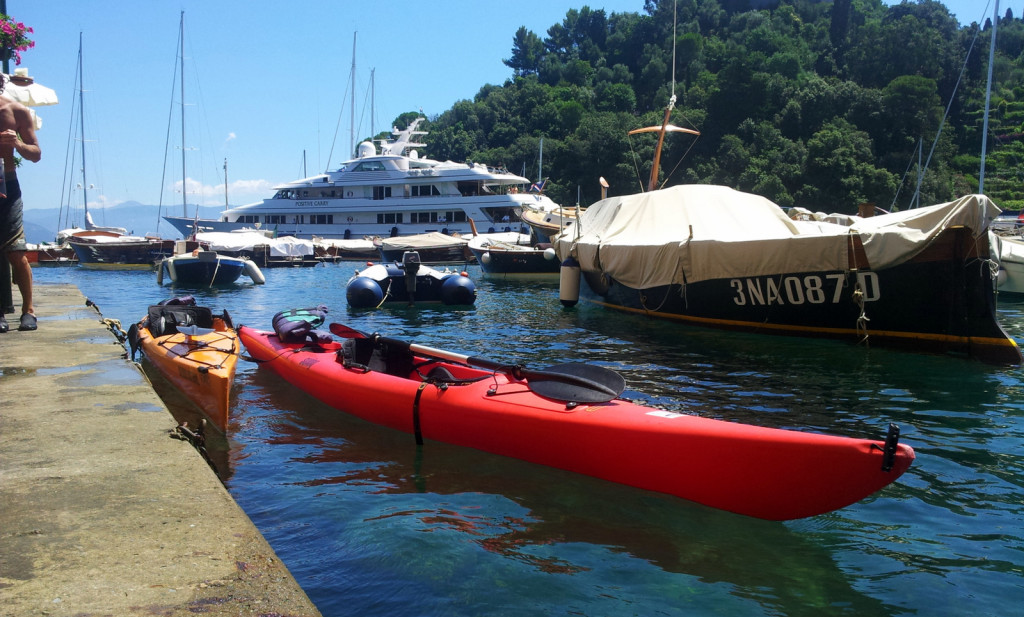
{"type": "Point", "coordinates": [102, 512]}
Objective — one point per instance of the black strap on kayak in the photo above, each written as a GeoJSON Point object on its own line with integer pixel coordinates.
{"type": "Point", "coordinates": [416, 414]}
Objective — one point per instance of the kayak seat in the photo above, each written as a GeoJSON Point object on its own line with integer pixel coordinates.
{"type": "Point", "coordinates": [440, 374]}
{"type": "Point", "coordinates": [380, 357]}
{"type": "Point", "coordinates": [165, 319]}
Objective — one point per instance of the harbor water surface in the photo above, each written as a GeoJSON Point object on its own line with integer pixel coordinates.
{"type": "Point", "coordinates": [371, 524]}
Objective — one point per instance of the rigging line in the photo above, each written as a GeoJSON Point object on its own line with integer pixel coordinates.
{"type": "Point", "coordinates": [337, 127]}
{"type": "Point", "coordinates": [906, 172]}
{"type": "Point", "coordinates": [636, 167]}
{"type": "Point", "coordinates": [69, 153]}
{"type": "Point", "coordinates": [201, 108]}
{"type": "Point", "coordinates": [170, 116]}
{"type": "Point", "coordinates": [674, 18]}
{"type": "Point", "coordinates": [935, 143]}
{"type": "Point", "coordinates": [678, 163]}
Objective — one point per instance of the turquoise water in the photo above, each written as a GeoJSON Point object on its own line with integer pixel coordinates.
{"type": "Point", "coordinates": [371, 525]}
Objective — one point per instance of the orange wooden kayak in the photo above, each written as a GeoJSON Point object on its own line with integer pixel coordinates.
{"type": "Point", "coordinates": [755, 471]}
{"type": "Point", "coordinates": [199, 360]}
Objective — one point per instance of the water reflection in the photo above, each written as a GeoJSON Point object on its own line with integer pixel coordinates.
{"type": "Point", "coordinates": [539, 517]}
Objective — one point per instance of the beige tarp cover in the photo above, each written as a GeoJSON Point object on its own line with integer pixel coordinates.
{"type": "Point", "coordinates": [422, 241]}
{"type": "Point", "coordinates": [693, 233]}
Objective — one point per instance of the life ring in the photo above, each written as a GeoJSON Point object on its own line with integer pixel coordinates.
{"type": "Point", "coordinates": [349, 194]}
{"type": "Point", "coordinates": [350, 219]}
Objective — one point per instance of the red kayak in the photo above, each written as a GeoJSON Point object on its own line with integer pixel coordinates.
{"type": "Point", "coordinates": [568, 417]}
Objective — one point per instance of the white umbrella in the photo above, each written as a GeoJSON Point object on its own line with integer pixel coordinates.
{"type": "Point", "coordinates": [23, 89]}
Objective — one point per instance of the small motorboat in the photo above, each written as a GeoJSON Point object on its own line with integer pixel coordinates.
{"type": "Point", "coordinates": [202, 268]}
{"type": "Point", "coordinates": [408, 282]}
{"type": "Point", "coordinates": [569, 417]}
{"type": "Point", "coordinates": [499, 259]}
{"type": "Point", "coordinates": [433, 248]}
{"type": "Point", "coordinates": [194, 349]}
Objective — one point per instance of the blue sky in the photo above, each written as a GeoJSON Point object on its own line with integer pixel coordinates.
{"type": "Point", "coordinates": [267, 84]}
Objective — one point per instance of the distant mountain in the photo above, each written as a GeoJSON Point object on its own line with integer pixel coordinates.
{"type": "Point", "coordinates": [42, 225]}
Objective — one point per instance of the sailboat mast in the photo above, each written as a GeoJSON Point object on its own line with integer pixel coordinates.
{"type": "Point", "coordinates": [225, 185]}
{"type": "Point", "coordinates": [352, 111]}
{"type": "Point", "coordinates": [540, 162]}
{"type": "Point", "coordinates": [988, 97]}
{"type": "Point", "coordinates": [653, 182]}
{"type": "Point", "coordinates": [184, 196]}
{"type": "Point", "coordinates": [81, 127]}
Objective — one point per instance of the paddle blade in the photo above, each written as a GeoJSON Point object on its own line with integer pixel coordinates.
{"type": "Point", "coordinates": [344, 331]}
{"type": "Point", "coordinates": [576, 382]}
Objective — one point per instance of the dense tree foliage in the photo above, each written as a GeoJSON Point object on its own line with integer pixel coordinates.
{"type": "Point", "coordinates": [823, 105]}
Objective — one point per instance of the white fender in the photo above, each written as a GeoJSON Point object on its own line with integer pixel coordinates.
{"type": "Point", "coordinates": [171, 270]}
{"type": "Point", "coordinates": [253, 271]}
{"type": "Point", "coordinates": [569, 282]}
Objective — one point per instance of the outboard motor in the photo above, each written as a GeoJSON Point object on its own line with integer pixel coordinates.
{"type": "Point", "coordinates": [411, 264]}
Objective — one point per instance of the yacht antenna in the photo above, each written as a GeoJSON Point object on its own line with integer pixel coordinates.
{"type": "Point", "coordinates": [225, 185]}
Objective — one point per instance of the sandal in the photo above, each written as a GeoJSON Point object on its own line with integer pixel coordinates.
{"type": "Point", "coordinates": [28, 322]}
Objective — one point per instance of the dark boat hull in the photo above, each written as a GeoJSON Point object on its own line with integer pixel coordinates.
{"type": "Point", "coordinates": [941, 300]}
{"type": "Point", "coordinates": [205, 272]}
{"type": "Point", "coordinates": [497, 262]}
{"type": "Point", "coordinates": [129, 255]}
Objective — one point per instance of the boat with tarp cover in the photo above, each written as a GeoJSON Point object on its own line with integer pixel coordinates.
{"type": "Point", "coordinates": [713, 256]}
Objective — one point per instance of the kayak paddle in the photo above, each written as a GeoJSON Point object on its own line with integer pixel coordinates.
{"type": "Point", "coordinates": [569, 382]}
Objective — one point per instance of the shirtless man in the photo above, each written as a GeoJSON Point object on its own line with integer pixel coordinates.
{"type": "Point", "coordinates": [17, 137]}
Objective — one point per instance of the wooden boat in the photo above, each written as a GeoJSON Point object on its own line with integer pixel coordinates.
{"type": "Point", "coordinates": [408, 282]}
{"type": "Point", "coordinates": [207, 268]}
{"type": "Point", "coordinates": [547, 224]}
{"type": "Point", "coordinates": [109, 251]}
{"type": "Point", "coordinates": [568, 417]}
{"type": "Point", "coordinates": [195, 350]}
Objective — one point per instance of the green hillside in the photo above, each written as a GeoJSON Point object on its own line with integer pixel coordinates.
{"type": "Point", "coordinates": [814, 104]}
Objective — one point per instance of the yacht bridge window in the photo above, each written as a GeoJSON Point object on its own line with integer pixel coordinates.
{"type": "Point", "coordinates": [424, 190]}
{"type": "Point", "coordinates": [369, 166]}
{"type": "Point", "coordinates": [469, 189]}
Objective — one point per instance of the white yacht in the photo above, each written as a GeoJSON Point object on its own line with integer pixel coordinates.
{"type": "Point", "coordinates": [393, 192]}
